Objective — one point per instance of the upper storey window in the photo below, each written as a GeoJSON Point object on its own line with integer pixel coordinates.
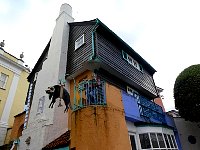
{"type": "Point", "coordinates": [131, 61]}
{"type": "Point", "coordinates": [3, 80]}
{"type": "Point", "coordinates": [79, 42]}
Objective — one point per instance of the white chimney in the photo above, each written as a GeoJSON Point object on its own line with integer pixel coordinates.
{"type": "Point", "coordinates": [53, 69]}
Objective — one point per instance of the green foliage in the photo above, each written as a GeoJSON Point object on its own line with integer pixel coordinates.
{"type": "Point", "coordinates": [187, 93]}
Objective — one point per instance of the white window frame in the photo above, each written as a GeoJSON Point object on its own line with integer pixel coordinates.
{"type": "Point", "coordinates": [77, 44]}
{"type": "Point", "coordinates": [136, 143]}
{"type": "Point", "coordinates": [132, 92]}
{"type": "Point", "coordinates": [5, 81]}
{"type": "Point", "coordinates": [132, 61]}
{"type": "Point", "coordinates": [175, 147]}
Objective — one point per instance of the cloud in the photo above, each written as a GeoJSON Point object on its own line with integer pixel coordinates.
{"type": "Point", "coordinates": [165, 33]}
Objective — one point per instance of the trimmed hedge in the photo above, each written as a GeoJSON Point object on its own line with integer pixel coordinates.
{"type": "Point", "coordinates": [187, 93]}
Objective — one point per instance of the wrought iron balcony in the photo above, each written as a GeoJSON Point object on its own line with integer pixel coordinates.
{"type": "Point", "coordinates": [150, 110]}
{"type": "Point", "coordinates": [89, 92]}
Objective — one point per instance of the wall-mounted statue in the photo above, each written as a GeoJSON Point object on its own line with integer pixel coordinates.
{"type": "Point", "coordinates": [58, 91]}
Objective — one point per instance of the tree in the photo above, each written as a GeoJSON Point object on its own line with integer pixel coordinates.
{"type": "Point", "coordinates": [187, 93]}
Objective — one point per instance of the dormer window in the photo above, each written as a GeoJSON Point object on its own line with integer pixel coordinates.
{"type": "Point", "coordinates": [79, 42]}
{"type": "Point", "coordinates": [131, 61]}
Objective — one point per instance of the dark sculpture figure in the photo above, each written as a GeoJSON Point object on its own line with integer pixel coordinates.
{"type": "Point", "coordinates": [58, 91]}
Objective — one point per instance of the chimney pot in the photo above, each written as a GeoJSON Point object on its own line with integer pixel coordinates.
{"type": "Point", "coordinates": [66, 8]}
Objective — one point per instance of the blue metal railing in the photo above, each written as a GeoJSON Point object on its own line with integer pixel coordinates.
{"type": "Point", "coordinates": [89, 92]}
{"type": "Point", "coordinates": [150, 110]}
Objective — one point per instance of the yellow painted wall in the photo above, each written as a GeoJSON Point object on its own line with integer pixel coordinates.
{"type": "Point", "coordinates": [20, 97]}
{"type": "Point", "coordinates": [88, 75]}
{"type": "Point", "coordinates": [4, 92]}
{"type": "Point", "coordinates": [20, 94]}
{"type": "Point", "coordinates": [10, 57]}
{"type": "Point", "coordinates": [101, 127]}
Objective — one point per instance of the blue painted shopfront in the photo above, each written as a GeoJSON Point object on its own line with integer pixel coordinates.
{"type": "Point", "coordinates": [139, 109]}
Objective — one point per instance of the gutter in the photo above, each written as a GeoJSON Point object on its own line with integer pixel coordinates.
{"type": "Point", "coordinates": [93, 40]}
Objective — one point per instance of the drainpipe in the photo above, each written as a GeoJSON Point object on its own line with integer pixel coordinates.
{"type": "Point", "coordinates": [93, 39]}
{"type": "Point", "coordinates": [74, 106]}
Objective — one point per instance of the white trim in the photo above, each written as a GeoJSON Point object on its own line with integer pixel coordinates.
{"type": "Point", "coordinates": [135, 137]}
{"type": "Point", "coordinates": [10, 99]}
{"type": "Point", "coordinates": [77, 45]}
{"type": "Point", "coordinates": [11, 65]}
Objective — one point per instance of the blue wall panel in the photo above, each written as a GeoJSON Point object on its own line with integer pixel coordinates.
{"type": "Point", "coordinates": [131, 107]}
{"type": "Point", "coordinates": [170, 121]}
{"type": "Point", "coordinates": [132, 112]}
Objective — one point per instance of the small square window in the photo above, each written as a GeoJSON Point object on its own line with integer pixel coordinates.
{"type": "Point", "coordinates": [79, 42]}
{"type": "Point", "coordinates": [3, 80]}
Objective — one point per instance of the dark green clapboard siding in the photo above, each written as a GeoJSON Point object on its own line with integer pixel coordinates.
{"type": "Point", "coordinates": [112, 56]}
{"type": "Point", "coordinates": [109, 53]}
{"type": "Point", "coordinates": [75, 59]}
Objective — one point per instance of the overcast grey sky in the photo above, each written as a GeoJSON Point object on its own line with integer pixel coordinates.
{"type": "Point", "coordinates": [166, 33]}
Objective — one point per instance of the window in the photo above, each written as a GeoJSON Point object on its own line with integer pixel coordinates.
{"type": "Point", "coordinates": [161, 140]}
{"type": "Point", "coordinates": [132, 92]}
{"type": "Point", "coordinates": [154, 140]}
{"type": "Point", "coordinates": [157, 141]}
{"type": "Point", "coordinates": [79, 42]}
{"type": "Point", "coordinates": [133, 144]}
{"type": "Point", "coordinates": [3, 80]}
{"type": "Point", "coordinates": [166, 140]}
{"type": "Point", "coordinates": [145, 141]}
{"type": "Point", "coordinates": [170, 141]}
{"type": "Point", "coordinates": [174, 142]}
{"type": "Point", "coordinates": [131, 61]}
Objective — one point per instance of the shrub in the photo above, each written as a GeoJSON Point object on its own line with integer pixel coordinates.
{"type": "Point", "coordinates": [187, 93]}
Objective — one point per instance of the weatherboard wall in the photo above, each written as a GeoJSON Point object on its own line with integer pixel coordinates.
{"type": "Point", "coordinates": [76, 58]}
{"type": "Point", "coordinates": [111, 55]}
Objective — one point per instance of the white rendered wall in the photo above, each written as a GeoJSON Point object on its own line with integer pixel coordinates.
{"type": "Point", "coordinates": [186, 128]}
{"type": "Point", "coordinates": [53, 69]}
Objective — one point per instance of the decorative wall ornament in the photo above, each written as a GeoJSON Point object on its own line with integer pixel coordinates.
{"type": "Point", "coordinates": [28, 140]}
{"type": "Point", "coordinates": [192, 139]}
{"type": "Point", "coordinates": [58, 91]}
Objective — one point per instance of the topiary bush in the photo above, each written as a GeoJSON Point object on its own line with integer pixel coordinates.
{"type": "Point", "coordinates": [187, 93]}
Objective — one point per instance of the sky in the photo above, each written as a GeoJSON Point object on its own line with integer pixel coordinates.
{"type": "Point", "coordinates": [165, 33]}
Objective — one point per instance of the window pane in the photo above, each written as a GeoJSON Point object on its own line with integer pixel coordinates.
{"type": "Point", "coordinates": [133, 145]}
{"type": "Point", "coordinates": [166, 140]}
{"type": "Point", "coordinates": [3, 78]}
{"type": "Point", "coordinates": [79, 42]}
{"type": "Point", "coordinates": [174, 141]}
{"type": "Point", "coordinates": [130, 59]}
{"type": "Point", "coordinates": [124, 55]}
{"type": "Point", "coordinates": [154, 140]}
{"type": "Point", "coordinates": [170, 141]}
{"type": "Point", "coordinates": [1, 84]}
{"type": "Point", "coordinates": [161, 140]}
{"type": "Point", "coordinates": [144, 140]}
